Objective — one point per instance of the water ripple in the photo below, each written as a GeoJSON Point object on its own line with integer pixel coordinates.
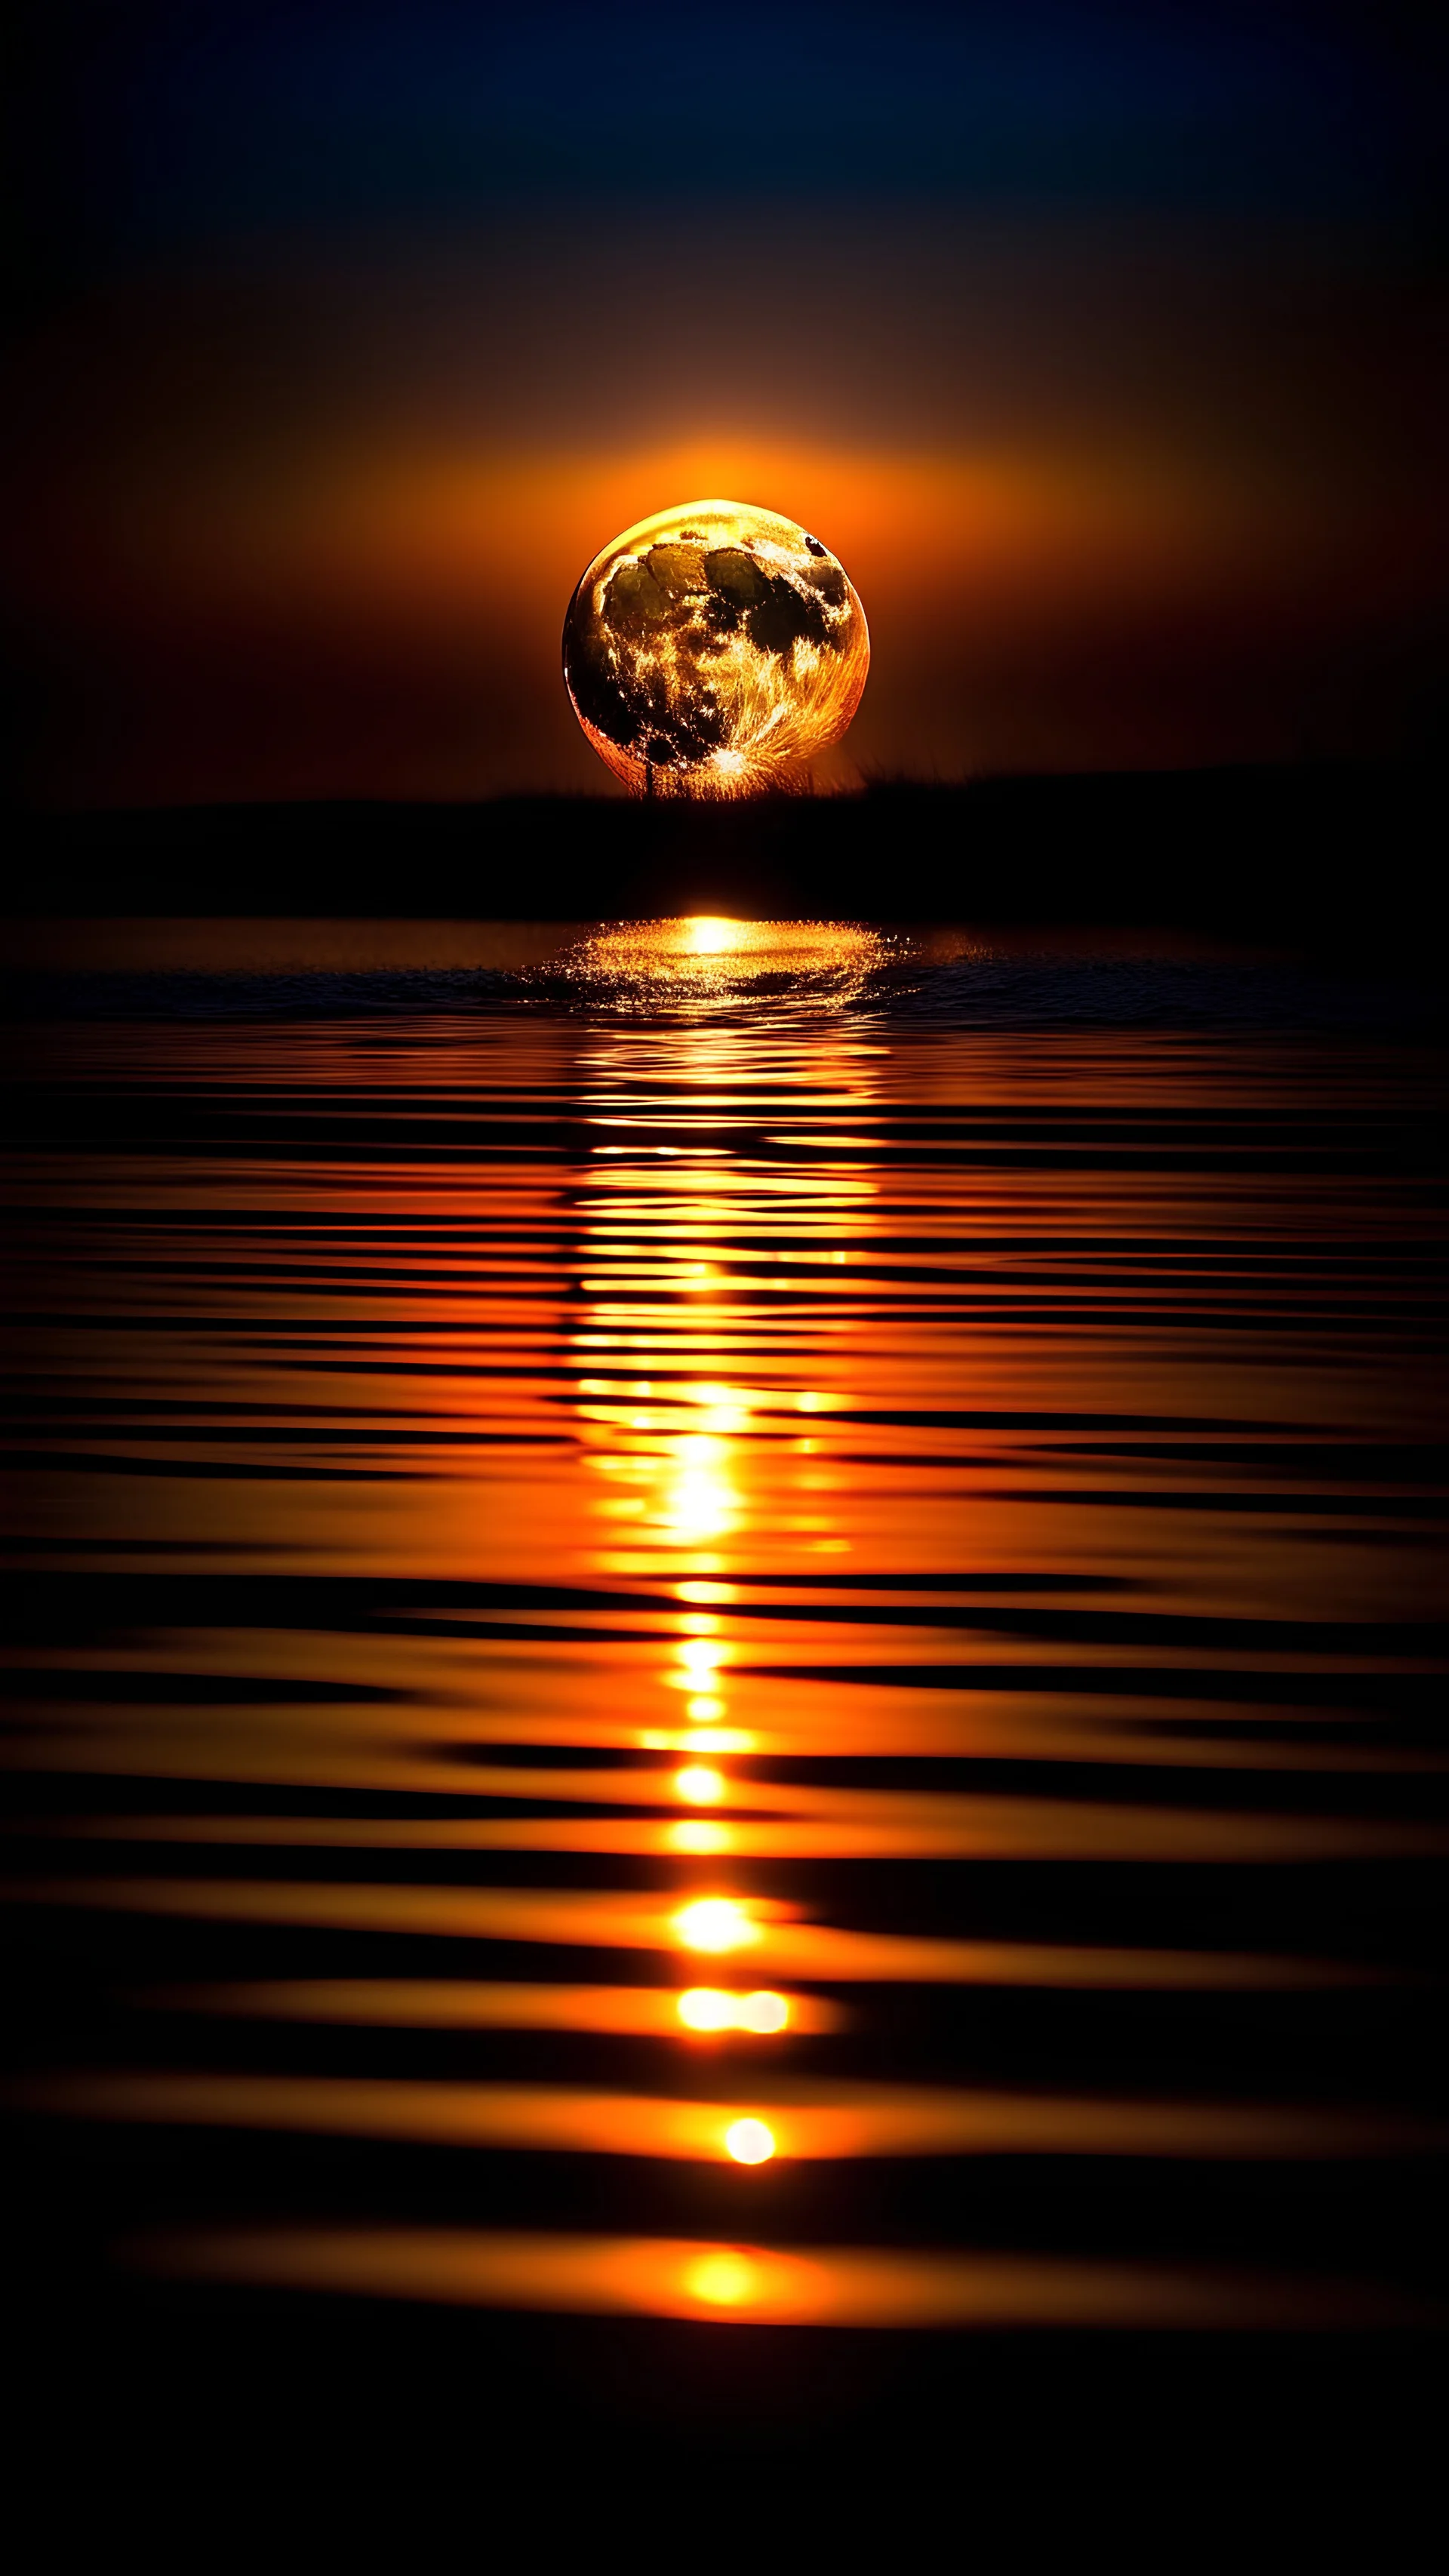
{"type": "Point", "coordinates": [664, 1535]}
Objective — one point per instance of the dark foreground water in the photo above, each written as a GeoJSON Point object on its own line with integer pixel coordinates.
{"type": "Point", "coordinates": [729, 1681]}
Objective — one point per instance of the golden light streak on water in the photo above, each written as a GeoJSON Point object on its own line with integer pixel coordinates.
{"type": "Point", "coordinates": [810, 2121]}
{"type": "Point", "coordinates": [403, 2003]}
{"type": "Point", "coordinates": [707, 962]}
{"type": "Point", "coordinates": [840, 2286]}
{"type": "Point", "coordinates": [988, 1478]}
{"type": "Point", "coordinates": [872, 1826]}
{"type": "Point", "coordinates": [579, 1920]}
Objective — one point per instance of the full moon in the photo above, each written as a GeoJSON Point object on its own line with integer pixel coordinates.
{"type": "Point", "coordinates": [713, 650]}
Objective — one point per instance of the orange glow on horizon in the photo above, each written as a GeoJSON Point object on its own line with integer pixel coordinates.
{"type": "Point", "coordinates": [996, 575]}
{"type": "Point", "coordinates": [429, 544]}
{"type": "Point", "coordinates": [451, 518]}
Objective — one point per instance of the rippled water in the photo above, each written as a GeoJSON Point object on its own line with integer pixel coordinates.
{"type": "Point", "coordinates": [730, 1625]}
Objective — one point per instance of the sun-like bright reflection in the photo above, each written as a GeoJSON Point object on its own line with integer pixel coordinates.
{"type": "Point", "coordinates": [706, 2008]}
{"type": "Point", "coordinates": [721, 2280]}
{"type": "Point", "coordinates": [702, 1787]}
{"type": "Point", "coordinates": [704, 960]}
{"type": "Point", "coordinates": [701, 1739]}
{"type": "Point", "coordinates": [698, 1838]}
{"type": "Point", "coordinates": [689, 1406]}
{"type": "Point", "coordinates": [764, 2013]}
{"type": "Point", "coordinates": [701, 1499]}
{"type": "Point", "coordinates": [699, 1660]}
{"type": "Point", "coordinates": [715, 1923]}
{"type": "Point", "coordinates": [706, 935]}
{"type": "Point", "coordinates": [750, 2142]}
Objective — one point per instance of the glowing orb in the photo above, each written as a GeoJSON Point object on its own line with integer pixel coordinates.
{"type": "Point", "coordinates": [713, 650]}
{"type": "Point", "coordinates": [750, 2142]}
{"type": "Point", "coordinates": [714, 1923]}
{"type": "Point", "coordinates": [763, 2013]}
{"type": "Point", "coordinates": [703, 2008]}
{"type": "Point", "coordinates": [709, 937]}
{"type": "Point", "coordinates": [724, 2280]}
{"type": "Point", "coordinates": [700, 1785]}
{"type": "Point", "coordinates": [694, 1836]}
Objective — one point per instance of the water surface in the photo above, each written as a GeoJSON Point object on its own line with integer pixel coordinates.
{"type": "Point", "coordinates": [732, 1624]}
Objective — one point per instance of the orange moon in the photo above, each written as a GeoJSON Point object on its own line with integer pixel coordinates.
{"type": "Point", "coordinates": [713, 650]}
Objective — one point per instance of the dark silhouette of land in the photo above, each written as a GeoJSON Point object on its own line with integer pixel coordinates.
{"type": "Point", "coordinates": [1336, 855]}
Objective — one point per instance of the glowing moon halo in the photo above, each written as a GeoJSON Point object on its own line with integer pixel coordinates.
{"type": "Point", "coordinates": [713, 650]}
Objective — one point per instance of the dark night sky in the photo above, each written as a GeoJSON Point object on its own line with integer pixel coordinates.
{"type": "Point", "coordinates": [1098, 340]}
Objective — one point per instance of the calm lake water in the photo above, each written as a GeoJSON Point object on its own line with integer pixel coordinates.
{"type": "Point", "coordinates": [728, 1626]}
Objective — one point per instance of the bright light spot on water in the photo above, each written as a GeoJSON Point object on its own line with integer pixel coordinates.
{"type": "Point", "coordinates": [699, 1838]}
{"type": "Point", "coordinates": [721, 2280]}
{"type": "Point", "coordinates": [702, 1787]}
{"type": "Point", "coordinates": [706, 2008]}
{"type": "Point", "coordinates": [699, 1502]}
{"type": "Point", "coordinates": [706, 959]}
{"type": "Point", "coordinates": [733, 1398]}
{"type": "Point", "coordinates": [715, 1923]}
{"type": "Point", "coordinates": [764, 2013]}
{"type": "Point", "coordinates": [708, 936]}
{"type": "Point", "coordinates": [699, 1659]}
{"type": "Point", "coordinates": [750, 2142]}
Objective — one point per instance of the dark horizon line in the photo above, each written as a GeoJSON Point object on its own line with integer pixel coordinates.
{"type": "Point", "coordinates": [880, 784]}
{"type": "Point", "coordinates": [1250, 850]}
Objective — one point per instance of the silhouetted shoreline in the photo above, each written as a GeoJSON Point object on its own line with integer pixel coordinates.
{"type": "Point", "coordinates": [1331, 854]}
